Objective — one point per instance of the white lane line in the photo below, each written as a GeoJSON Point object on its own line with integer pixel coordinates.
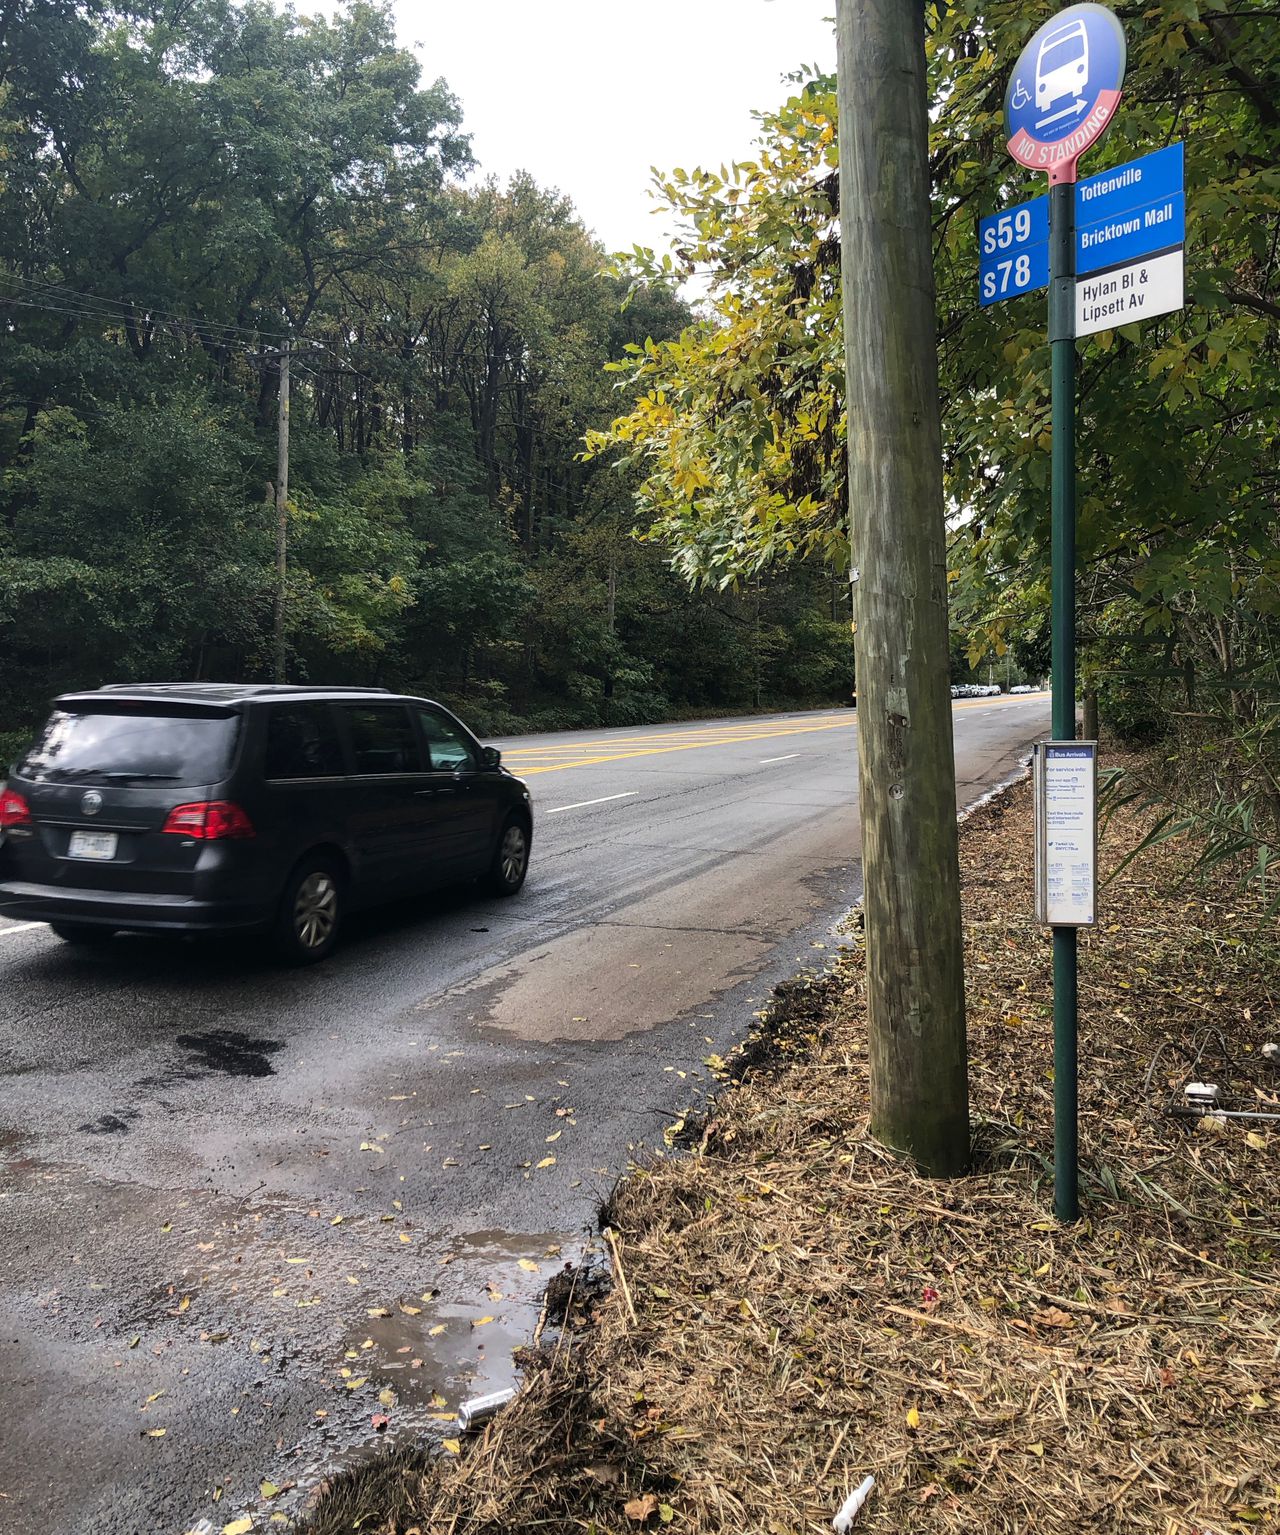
{"type": "Point", "coordinates": [583, 803]}
{"type": "Point", "coordinates": [788, 758]}
{"type": "Point", "coordinates": [20, 927]}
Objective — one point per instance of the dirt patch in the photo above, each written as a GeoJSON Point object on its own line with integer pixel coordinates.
{"type": "Point", "coordinates": [802, 1310]}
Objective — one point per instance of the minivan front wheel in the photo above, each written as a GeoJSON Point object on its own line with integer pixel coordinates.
{"type": "Point", "coordinates": [310, 912]}
{"type": "Point", "coordinates": [510, 859]}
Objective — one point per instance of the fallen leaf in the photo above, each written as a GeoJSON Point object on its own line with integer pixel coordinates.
{"type": "Point", "coordinates": [154, 1397]}
{"type": "Point", "coordinates": [529, 1266]}
{"type": "Point", "coordinates": [379, 1421]}
{"type": "Point", "coordinates": [387, 1397]}
{"type": "Point", "coordinates": [337, 1220]}
{"type": "Point", "coordinates": [360, 1380]}
{"type": "Point", "coordinates": [554, 1137]}
{"type": "Point", "coordinates": [185, 1303]}
{"type": "Point", "coordinates": [377, 1311]}
{"type": "Point", "coordinates": [1036, 1449]}
{"type": "Point", "coordinates": [434, 1332]}
{"type": "Point", "coordinates": [666, 1513]}
{"type": "Point", "coordinates": [405, 1237]}
{"type": "Point", "coordinates": [238, 1527]}
{"type": "Point", "coordinates": [913, 1418]}
{"type": "Point", "coordinates": [1053, 1316]}
{"type": "Point", "coordinates": [547, 1162]}
{"type": "Point", "coordinates": [412, 1310]}
{"type": "Point", "coordinates": [268, 1489]}
{"type": "Point", "coordinates": [369, 1146]}
{"type": "Point", "coordinates": [482, 1321]}
{"type": "Point", "coordinates": [453, 1447]}
{"type": "Point", "coordinates": [642, 1508]}
{"type": "Point", "coordinates": [155, 1433]}
{"type": "Point", "coordinates": [133, 1342]}
{"type": "Point", "coordinates": [1258, 1142]}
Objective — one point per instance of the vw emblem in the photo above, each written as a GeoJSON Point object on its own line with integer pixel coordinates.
{"type": "Point", "coordinates": [91, 803]}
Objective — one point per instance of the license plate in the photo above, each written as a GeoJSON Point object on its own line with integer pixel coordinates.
{"type": "Point", "coordinates": [92, 844]}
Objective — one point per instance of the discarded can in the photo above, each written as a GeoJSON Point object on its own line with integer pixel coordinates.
{"type": "Point", "coordinates": [481, 1408]}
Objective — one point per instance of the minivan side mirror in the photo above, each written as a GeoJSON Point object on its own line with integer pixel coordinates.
{"type": "Point", "coordinates": [490, 757]}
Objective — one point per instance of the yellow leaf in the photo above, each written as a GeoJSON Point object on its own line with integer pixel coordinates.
{"type": "Point", "coordinates": [547, 1162]}
{"type": "Point", "coordinates": [405, 1237]}
{"type": "Point", "coordinates": [1036, 1449]}
{"type": "Point", "coordinates": [482, 1321]}
{"type": "Point", "coordinates": [453, 1447]}
{"type": "Point", "coordinates": [913, 1418]}
{"type": "Point", "coordinates": [156, 1433]}
{"type": "Point", "coordinates": [1257, 1400]}
{"type": "Point", "coordinates": [337, 1220]}
{"type": "Point", "coordinates": [528, 1265]}
{"type": "Point", "coordinates": [377, 1311]}
{"type": "Point", "coordinates": [154, 1397]}
{"type": "Point", "coordinates": [1258, 1142]}
{"type": "Point", "coordinates": [268, 1489]}
{"type": "Point", "coordinates": [360, 1380]}
{"type": "Point", "coordinates": [387, 1397]}
{"type": "Point", "coordinates": [434, 1332]}
{"type": "Point", "coordinates": [412, 1310]}
{"type": "Point", "coordinates": [554, 1137]}
{"type": "Point", "coordinates": [238, 1527]}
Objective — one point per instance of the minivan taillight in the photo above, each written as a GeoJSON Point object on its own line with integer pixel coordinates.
{"type": "Point", "coordinates": [14, 810]}
{"type": "Point", "coordinates": [215, 820]}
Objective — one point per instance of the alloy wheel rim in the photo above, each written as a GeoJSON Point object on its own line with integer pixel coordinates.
{"type": "Point", "coordinates": [513, 855]}
{"type": "Point", "coordinates": [315, 910]}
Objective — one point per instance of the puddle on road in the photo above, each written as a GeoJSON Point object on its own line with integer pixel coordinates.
{"type": "Point", "coordinates": [454, 1338]}
{"type": "Point", "coordinates": [457, 1338]}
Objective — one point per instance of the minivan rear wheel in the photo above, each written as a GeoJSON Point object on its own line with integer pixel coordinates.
{"type": "Point", "coordinates": [310, 912]}
{"type": "Point", "coordinates": [510, 858]}
{"type": "Point", "coordinates": [83, 933]}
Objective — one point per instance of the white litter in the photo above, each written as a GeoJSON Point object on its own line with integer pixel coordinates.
{"type": "Point", "coordinates": [849, 1510]}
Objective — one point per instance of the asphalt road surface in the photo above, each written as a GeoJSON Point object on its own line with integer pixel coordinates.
{"type": "Point", "coordinates": [246, 1209]}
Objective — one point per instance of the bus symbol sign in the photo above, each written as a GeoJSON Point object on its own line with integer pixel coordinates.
{"type": "Point", "coordinates": [1065, 89]}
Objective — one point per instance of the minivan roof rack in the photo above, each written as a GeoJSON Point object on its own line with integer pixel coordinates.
{"type": "Point", "coordinates": [247, 689]}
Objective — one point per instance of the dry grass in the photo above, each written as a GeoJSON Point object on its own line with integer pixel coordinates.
{"type": "Point", "coordinates": [801, 1309]}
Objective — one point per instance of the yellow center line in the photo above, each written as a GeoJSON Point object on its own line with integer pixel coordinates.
{"type": "Point", "coordinates": [657, 751]}
{"type": "Point", "coordinates": [728, 733]}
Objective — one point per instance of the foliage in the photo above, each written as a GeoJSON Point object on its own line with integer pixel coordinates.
{"type": "Point", "coordinates": [182, 188]}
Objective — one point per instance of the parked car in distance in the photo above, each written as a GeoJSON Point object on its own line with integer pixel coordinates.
{"type": "Point", "coordinates": [207, 807]}
{"type": "Point", "coordinates": [1022, 687]}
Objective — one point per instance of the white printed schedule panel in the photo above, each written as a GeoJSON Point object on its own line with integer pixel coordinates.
{"type": "Point", "coordinates": [1066, 784]}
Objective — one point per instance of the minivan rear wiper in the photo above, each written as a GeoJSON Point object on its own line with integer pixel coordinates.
{"type": "Point", "coordinates": [122, 777]}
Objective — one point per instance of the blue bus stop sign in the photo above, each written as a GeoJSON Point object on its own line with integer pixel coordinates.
{"type": "Point", "coordinates": [1065, 89]}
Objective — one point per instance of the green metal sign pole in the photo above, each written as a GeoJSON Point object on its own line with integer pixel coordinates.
{"type": "Point", "coordinates": [1062, 340]}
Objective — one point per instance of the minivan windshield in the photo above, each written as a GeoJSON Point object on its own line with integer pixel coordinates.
{"type": "Point", "coordinates": [93, 746]}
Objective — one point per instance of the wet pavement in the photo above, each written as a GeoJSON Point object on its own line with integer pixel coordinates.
{"type": "Point", "coordinates": [246, 1213]}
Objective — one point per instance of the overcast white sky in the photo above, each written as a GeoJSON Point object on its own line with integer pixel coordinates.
{"type": "Point", "coordinates": [586, 95]}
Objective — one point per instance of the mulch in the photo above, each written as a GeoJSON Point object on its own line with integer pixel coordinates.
{"type": "Point", "coordinates": [796, 1309]}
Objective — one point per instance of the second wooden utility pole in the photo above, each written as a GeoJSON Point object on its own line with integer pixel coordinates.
{"type": "Point", "coordinates": [907, 787]}
{"type": "Point", "coordinates": [282, 520]}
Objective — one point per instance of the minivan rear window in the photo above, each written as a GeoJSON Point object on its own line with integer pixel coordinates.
{"type": "Point", "coordinates": [98, 746]}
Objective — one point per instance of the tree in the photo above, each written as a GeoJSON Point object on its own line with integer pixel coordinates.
{"type": "Point", "coordinates": [906, 779]}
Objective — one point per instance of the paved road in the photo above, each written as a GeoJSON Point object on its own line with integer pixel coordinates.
{"type": "Point", "coordinates": [239, 1203]}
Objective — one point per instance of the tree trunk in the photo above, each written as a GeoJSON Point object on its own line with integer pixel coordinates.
{"type": "Point", "coordinates": [907, 789]}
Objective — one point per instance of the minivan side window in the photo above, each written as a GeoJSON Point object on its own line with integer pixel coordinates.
{"type": "Point", "coordinates": [449, 748]}
{"type": "Point", "coordinates": [382, 739]}
{"type": "Point", "coordinates": [302, 742]}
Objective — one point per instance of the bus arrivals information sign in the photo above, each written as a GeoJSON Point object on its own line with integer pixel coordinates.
{"type": "Point", "coordinates": [1064, 90]}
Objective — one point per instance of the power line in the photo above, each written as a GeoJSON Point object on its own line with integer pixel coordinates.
{"type": "Point", "coordinates": [78, 296]}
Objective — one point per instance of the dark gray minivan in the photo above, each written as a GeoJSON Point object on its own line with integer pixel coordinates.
{"type": "Point", "coordinates": [202, 807]}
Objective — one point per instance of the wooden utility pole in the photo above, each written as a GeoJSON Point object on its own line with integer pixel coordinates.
{"type": "Point", "coordinates": [907, 787]}
{"type": "Point", "coordinates": [282, 518]}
